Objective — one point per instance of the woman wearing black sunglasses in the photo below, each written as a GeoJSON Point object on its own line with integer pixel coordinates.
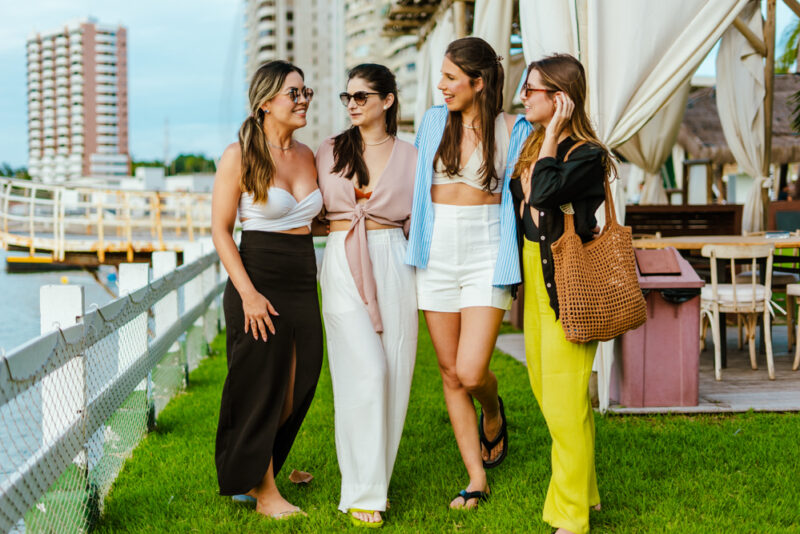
{"type": "Point", "coordinates": [366, 176]}
{"type": "Point", "coordinates": [274, 334]}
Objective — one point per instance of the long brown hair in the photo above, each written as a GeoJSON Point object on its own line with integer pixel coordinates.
{"type": "Point", "coordinates": [258, 167]}
{"type": "Point", "coordinates": [562, 72]}
{"type": "Point", "coordinates": [477, 59]}
{"type": "Point", "coordinates": [348, 149]}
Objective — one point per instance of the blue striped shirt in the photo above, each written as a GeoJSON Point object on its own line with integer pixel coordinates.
{"type": "Point", "coordinates": [506, 270]}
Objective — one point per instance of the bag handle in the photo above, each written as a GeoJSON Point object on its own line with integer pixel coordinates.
{"type": "Point", "coordinates": [569, 211]}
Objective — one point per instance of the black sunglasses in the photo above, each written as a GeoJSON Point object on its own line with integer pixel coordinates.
{"type": "Point", "coordinates": [526, 90]}
{"type": "Point", "coordinates": [359, 96]}
{"type": "Point", "coordinates": [294, 93]}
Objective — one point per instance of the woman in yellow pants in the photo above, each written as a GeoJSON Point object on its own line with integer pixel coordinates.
{"type": "Point", "coordinates": [562, 164]}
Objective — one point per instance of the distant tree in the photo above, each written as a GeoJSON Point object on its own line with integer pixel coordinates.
{"type": "Point", "coordinates": [192, 163]}
{"type": "Point", "coordinates": [790, 42]}
{"type": "Point", "coordinates": [20, 173]}
{"type": "Point", "coordinates": [137, 164]}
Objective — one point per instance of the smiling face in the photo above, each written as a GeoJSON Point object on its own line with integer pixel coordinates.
{"type": "Point", "coordinates": [373, 112]}
{"type": "Point", "coordinates": [459, 90]}
{"type": "Point", "coordinates": [282, 108]}
{"type": "Point", "coordinates": [539, 105]}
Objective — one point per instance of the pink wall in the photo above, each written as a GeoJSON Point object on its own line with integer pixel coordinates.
{"type": "Point", "coordinates": [89, 96]}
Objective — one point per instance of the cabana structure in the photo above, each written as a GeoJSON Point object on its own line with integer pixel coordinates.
{"type": "Point", "coordinates": [703, 140]}
{"type": "Point", "coordinates": [639, 56]}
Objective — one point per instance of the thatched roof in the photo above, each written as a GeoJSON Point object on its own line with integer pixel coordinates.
{"type": "Point", "coordinates": [701, 132]}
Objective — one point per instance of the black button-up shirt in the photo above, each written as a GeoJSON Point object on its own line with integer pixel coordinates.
{"type": "Point", "coordinates": [555, 182]}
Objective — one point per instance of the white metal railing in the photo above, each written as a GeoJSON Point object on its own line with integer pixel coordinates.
{"type": "Point", "coordinates": [75, 402]}
{"type": "Point", "coordinates": [62, 219]}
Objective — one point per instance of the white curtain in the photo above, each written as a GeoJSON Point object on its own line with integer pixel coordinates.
{"type": "Point", "coordinates": [637, 55]}
{"type": "Point", "coordinates": [548, 26]}
{"type": "Point", "coordinates": [651, 146]}
{"type": "Point", "coordinates": [492, 22]}
{"type": "Point", "coordinates": [429, 65]}
{"type": "Point", "coordinates": [740, 103]}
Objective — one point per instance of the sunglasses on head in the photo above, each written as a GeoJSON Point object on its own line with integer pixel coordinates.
{"type": "Point", "coordinates": [359, 96]}
{"type": "Point", "coordinates": [294, 93]}
{"type": "Point", "coordinates": [527, 89]}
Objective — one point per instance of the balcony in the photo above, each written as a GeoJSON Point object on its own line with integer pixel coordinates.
{"type": "Point", "coordinates": [62, 61]}
{"type": "Point", "coordinates": [111, 80]}
{"type": "Point", "coordinates": [61, 40]}
{"type": "Point", "coordinates": [47, 44]}
{"type": "Point", "coordinates": [61, 53]}
{"type": "Point", "coordinates": [106, 99]}
{"type": "Point", "coordinates": [108, 120]}
{"type": "Point", "coordinates": [34, 57]}
{"type": "Point", "coordinates": [106, 49]}
{"type": "Point", "coordinates": [105, 69]}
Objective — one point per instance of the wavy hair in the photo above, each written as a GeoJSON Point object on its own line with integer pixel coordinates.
{"type": "Point", "coordinates": [477, 59]}
{"type": "Point", "coordinates": [562, 72]}
{"type": "Point", "coordinates": [258, 167]}
{"type": "Point", "coordinates": [348, 146]}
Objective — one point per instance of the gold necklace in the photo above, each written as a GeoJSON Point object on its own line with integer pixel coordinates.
{"type": "Point", "coordinates": [379, 142]}
{"type": "Point", "coordinates": [291, 144]}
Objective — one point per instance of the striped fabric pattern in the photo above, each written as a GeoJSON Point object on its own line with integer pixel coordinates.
{"type": "Point", "coordinates": [507, 270]}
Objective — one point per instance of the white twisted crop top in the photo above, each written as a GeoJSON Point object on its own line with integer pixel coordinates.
{"type": "Point", "coordinates": [280, 212]}
{"type": "Point", "coordinates": [470, 173]}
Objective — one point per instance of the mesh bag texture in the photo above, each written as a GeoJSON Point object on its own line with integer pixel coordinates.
{"type": "Point", "coordinates": [598, 292]}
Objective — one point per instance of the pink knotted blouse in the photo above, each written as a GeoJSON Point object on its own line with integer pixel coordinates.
{"type": "Point", "coordinates": [389, 204]}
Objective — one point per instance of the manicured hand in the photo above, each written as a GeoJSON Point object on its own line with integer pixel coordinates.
{"type": "Point", "coordinates": [564, 106]}
{"type": "Point", "coordinates": [257, 310]}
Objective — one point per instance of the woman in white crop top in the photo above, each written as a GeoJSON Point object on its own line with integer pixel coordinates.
{"type": "Point", "coordinates": [274, 333]}
{"type": "Point", "coordinates": [455, 244]}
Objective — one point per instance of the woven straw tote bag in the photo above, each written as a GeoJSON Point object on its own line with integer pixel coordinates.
{"type": "Point", "coordinates": [598, 292]}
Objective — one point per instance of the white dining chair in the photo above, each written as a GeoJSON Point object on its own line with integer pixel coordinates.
{"type": "Point", "coordinates": [748, 300]}
{"type": "Point", "coordinates": [792, 298]}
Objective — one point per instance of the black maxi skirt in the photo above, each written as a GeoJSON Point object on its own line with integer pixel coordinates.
{"type": "Point", "coordinates": [283, 268]}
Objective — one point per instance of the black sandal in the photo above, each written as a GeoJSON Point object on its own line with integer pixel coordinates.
{"type": "Point", "coordinates": [482, 496]}
{"type": "Point", "coordinates": [501, 436]}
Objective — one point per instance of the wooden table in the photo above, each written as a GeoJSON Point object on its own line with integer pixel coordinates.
{"type": "Point", "coordinates": [696, 242]}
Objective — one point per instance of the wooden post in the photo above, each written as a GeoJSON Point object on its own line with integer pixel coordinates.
{"type": "Point", "coordinates": [460, 16]}
{"type": "Point", "coordinates": [769, 87]}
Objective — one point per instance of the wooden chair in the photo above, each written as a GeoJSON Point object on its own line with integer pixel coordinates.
{"type": "Point", "coordinates": [749, 300]}
{"type": "Point", "coordinates": [792, 294]}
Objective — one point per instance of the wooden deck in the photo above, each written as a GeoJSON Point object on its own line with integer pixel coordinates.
{"type": "Point", "coordinates": [740, 390]}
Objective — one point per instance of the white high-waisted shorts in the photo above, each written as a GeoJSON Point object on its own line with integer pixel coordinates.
{"type": "Point", "coordinates": [463, 254]}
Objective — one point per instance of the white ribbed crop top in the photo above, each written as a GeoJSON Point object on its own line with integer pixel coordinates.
{"type": "Point", "coordinates": [470, 174]}
{"type": "Point", "coordinates": [280, 212]}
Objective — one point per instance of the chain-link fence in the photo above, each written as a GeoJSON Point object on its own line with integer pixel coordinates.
{"type": "Point", "coordinates": [75, 402]}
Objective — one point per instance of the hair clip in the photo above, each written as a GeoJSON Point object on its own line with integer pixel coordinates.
{"type": "Point", "coordinates": [500, 59]}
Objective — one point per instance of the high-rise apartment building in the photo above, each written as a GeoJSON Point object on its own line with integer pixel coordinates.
{"type": "Point", "coordinates": [366, 44]}
{"type": "Point", "coordinates": [78, 102]}
{"type": "Point", "coordinates": [305, 33]}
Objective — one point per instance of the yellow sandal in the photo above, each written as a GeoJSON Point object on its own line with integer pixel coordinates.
{"type": "Point", "coordinates": [360, 522]}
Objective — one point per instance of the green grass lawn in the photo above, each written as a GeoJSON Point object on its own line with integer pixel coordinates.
{"type": "Point", "coordinates": [738, 473]}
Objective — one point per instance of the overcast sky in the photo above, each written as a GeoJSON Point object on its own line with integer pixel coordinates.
{"type": "Point", "coordinates": [186, 66]}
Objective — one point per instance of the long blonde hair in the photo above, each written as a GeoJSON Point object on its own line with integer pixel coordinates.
{"type": "Point", "coordinates": [562, 72]}
{"type": "Point", "coordinates": [258, 167]}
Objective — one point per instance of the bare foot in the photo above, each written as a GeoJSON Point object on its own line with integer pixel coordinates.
{"type": "Point", "coordinates": [459, 503]}
{"type": "Point", "coordinates": [274, 506]}
{"type": "Point", "coordinates": [597, 507]}
{"type": "Point", "coordinates": [367, 517]}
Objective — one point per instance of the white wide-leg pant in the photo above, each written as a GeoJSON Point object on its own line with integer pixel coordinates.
{"type": "Point", "coordinates": [371, 372]}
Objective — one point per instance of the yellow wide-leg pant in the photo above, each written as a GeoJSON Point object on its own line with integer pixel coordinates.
{"type": "Point", "coordinates": [559, 372]}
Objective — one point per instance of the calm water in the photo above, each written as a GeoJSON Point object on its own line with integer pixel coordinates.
{"type": "Point", "coordinates": [19, 300]}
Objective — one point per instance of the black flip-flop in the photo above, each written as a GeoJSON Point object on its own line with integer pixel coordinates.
{"type": "Point", "coordinates": [501, 436]}
{"type": "Point", "coordinates": [482, 496]}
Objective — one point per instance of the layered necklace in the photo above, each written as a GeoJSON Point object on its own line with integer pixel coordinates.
{"type": "Point", "coordinates": [284, 149]}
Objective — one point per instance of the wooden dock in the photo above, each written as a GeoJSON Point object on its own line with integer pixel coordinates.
{"type": "Point", "coordinates": [741, 388]}
{"type": "Point", "coordinates": [85, 226]}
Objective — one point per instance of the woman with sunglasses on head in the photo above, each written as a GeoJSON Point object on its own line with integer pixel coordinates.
{"type": "Point", "coordinates": [369, 305]}
{"type": "Point", "coordinates": [562, 164]}
{"type": "Point", "coordinates": [274, 334]}
{"type": "Point", "coordinates": [463, 243]}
